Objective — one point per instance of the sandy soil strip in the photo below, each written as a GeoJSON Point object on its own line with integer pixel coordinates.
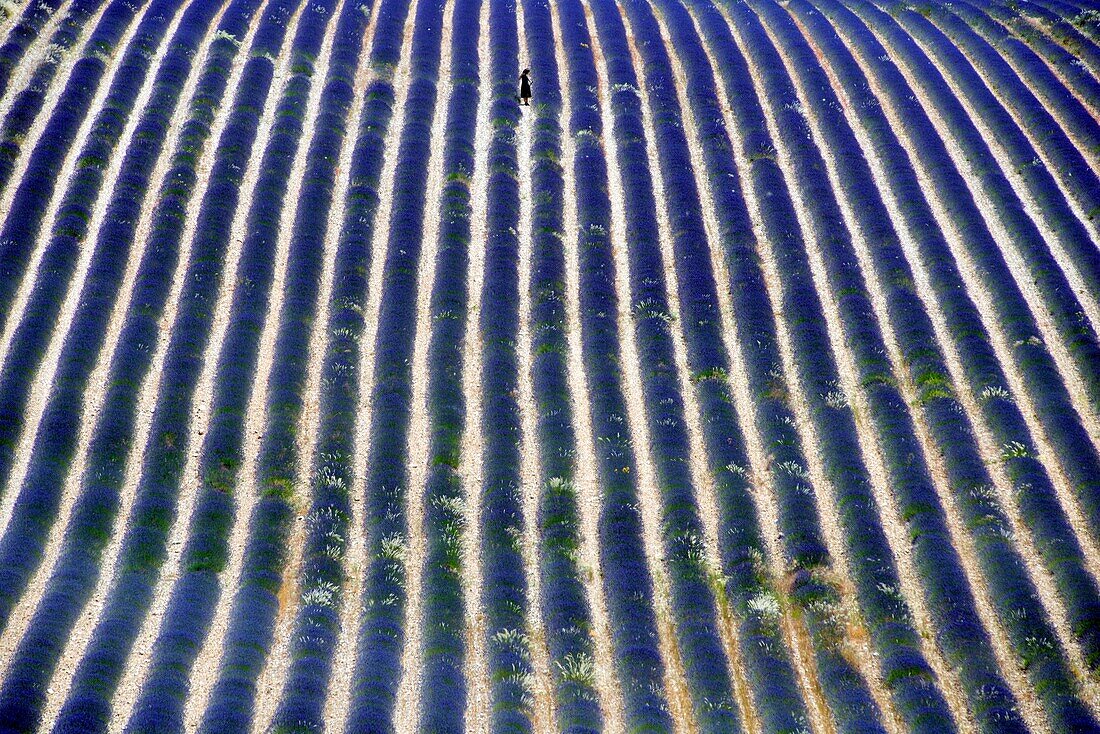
{"type": "Point", "coordinates": [651, 510]}
{"type": "Point", "coordinates": [1070, 371]}
{"type": "Point", "coordinates": [339, 693]}
{"type": "Point", "coordinates": [150, 388]}
{"type": "Point", "coordinates": [30, 275]}
{"type": "Point", "coordinates": [544, 714]}
{"type": "Point", "coordinates": [1043, 26]}
{"type": "Point", "coordinates": [1090, 301]}
{"type": "Point", "coordinates": [706, 497]}
{"type": "Point", "coordinates": [589, 494]}
{"type": "Point", "coordinates": [207, 667]}
{"type": "Point", "coordinates": [22, 162]}
{"type": "Point", "coordinates": [43, 379]}
{"type": "Point", "coordinates": [407, 706]}
{"type": "Point", "coordinates": [861, 652]}
{"type": "Point", "coordinates": [57, 85]}
{"type": "Point", "coordinates": [478, 687]}
{"type": "Point", "coordinates": [1029, 705]}
{"type": "Point", "coordinates": [98, 385]}
{"type": "Point", "coordinates": [1038, 28]}
{"type": "Point", "coordinates": [9, 10]}
{"type": "Point", "coordinates": [39, 50]}
{"type": "Point", "coordinates": [1047, 453]}
{"type": "Point", "coordinates": [1036, 569]}
{"type": "Point", "coordinates": [1086, 147]}
{"type": "Point", "coordinates": [279, 661]}
{"type": "Point", "coordinates": [137, 666]}
{"type": "Point", "coordinates": [799, 645]}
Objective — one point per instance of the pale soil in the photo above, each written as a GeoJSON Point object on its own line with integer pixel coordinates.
{"type": "Point", "coordinates": [1038, 571]}
{"type": "Point", "coordinates": [279, 661]}
{"type": "Point", "coordinates": [81, 634]}
{"type": "Point", "coordinates": [1069, 370]}
{"type": "Point", "coordinates": [793, 628]}
{"type": "Point", "coordinates": [701, 475]}
{"type": "Point", "coordinates": [98, 385]}
{"type": "Point", "coordinates": [140, 659]}
{"type": "Point", "coordinates": [39, 49]}
{"type": "Point", "coordinates": [1029, 706]}
{"type": "Point", "coordinates": [1048, 454]}
{"type": "Point", "coordinates": [1090, 302]}
{"type": "Point", "coordinates": [650, 508]}
{"type": "Point", "coordinates": [44, 379]}
{"type": "Point", "coordinates": [22, 161]}
{"type": "Point", "coordinates": [355, 560]}
{"type": "Point", "coordinates": [589, 493]}
{"type": "Point", "coordinates": [476, 668]}
{"type": "Point", "coordinates": [408, 706]}
{"type": "Point", "coordinates": [544, 714]}
{"type": "Point", "coordinates": [206, 669]}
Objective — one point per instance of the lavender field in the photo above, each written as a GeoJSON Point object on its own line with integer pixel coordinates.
{"type": "Point", "coordinates": [748, 380]}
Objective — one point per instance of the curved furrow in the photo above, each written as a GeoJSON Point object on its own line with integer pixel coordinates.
{"type": "Point", "coordinates": [433, 691]}
{"type": "Point", "coordinates": [686, 505]}
{"type": "Point", "coordinates": [578, 628]}
{"type": "Point", "coordinates": [1059, 197]}
{"type": "Point", "coordinates": [332, 535]}
{"type": "Point", "coordinates": [998, 514]}
{"type": "Point", "coordinates": [997, 305]}
{"type": "Point", "coordinates": [503, 601]}
{"type": "Point", "coordinates": [62, 390]}
{"type": "Point", "coordinates": [643, 643]}
{"type": "Point", "coordinates": [142, 554]}
{"type": "Point", "coordinates": [33, 197]}
{"type": "Point", "coordinates": [70, 463]}
{"type": "Point", "coordinates": [22, 113]}
{"type": "Point", "coordinates": [116, 459]}
{"type": "Point", "coordinates": [1012, 241]}
{"type": "Point", "coordinates": [383, 619]}
{"type": "Point", "coordinates": [410, 712]}
{"type": "Point", "coordinates": [1019, 639]}
{"type": "Point", "coordinates": [1084, 51]}
{"type": "Point", "coordinates": [543, 713]}
{"type": "Point", "coordinates": [367, 222]}
{"type": "Point", "coordinates": [648, 189]}
{"type": "Point", "coordinates": [471, 450]}
{"type": "Point", "coordinates": [1037, 508]}
{"type": "Point", "coordinates": [850, 510]}
{"type": "Point", "coordinates": [316, 234]}
{"type": "Point", "coordinates": [810, 530]}
{"type": "Point", "coordinates": [963, 22]}
{"type": "Point", "coordinates": [25, 45]}
{"type": "Point", "coordinates": [188, 610]}
{"type": "Point", "coordinates": [697, 676]}
{"type": "Point", "coordinates": [1071, 69]}
{"type": "Point", "coordinates": [50, 222]}
{"type": "Point", "coordinates": [222, 688]}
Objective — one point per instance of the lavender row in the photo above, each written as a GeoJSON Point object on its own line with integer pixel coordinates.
{"type": "Point", "coordinates": [87, 706]}
{"type": "Point", "coordinates": [565, 610]}
{"type": "Point", "coordinates": [323, 575]}
{"type": "Point", "coordinates": [627, 579]}
{"type": "Point", "coordinates": [381, 629]}
{"type": "Point", "coordinates": [196, 591]}
{"type": "Point", "coordinates": [256, 598]}
{"type": "Point", "coordinates": [34, 190]}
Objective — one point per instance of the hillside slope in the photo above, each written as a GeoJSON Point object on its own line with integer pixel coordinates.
{"type": "Point", "coordinates": [748, 380]}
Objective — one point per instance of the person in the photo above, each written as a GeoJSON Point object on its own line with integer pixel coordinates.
{"type": "Point", "coordinates": [525, 88]}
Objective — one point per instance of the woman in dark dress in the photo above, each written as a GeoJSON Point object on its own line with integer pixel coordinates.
{"type": "Point", "coordinates": [525, 87]}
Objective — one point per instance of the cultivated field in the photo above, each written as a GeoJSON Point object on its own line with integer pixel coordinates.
{"type": "Point", "coordinates": [748, 380]}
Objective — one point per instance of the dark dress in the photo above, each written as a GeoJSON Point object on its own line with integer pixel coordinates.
{"type": "Point", "coordinates": [524, 88]}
